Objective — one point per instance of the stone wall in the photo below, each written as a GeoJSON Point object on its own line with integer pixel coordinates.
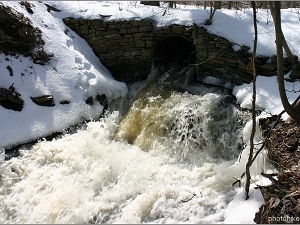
{"type": "Point", "coordinates": [127, 49]}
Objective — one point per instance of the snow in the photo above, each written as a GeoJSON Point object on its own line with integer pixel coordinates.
{"type": "Point", "coordinates": [267, 99]}
{"type": "Point", "coordinates": [75, 73]}
{"type": "Point", "coordinates": [244, 209]}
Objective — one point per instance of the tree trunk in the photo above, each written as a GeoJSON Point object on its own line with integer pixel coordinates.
{"type": "Point", "coordinates": [172, 4]}
{"type": "Point", "coordinates": [248, 175]}
{"type": "Point", "coordinates": [229, 4]}
{"type": "Point", "coordinates": [284, 43]}
{"type": "Point", "coordinates": [290, 109]}
{"type": "Point", "coordinates": [213, 8]}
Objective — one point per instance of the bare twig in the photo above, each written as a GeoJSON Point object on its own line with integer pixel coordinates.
{"type": "Point", "coordinates": [248, 165]}
{"type": "Point", "coordinates": [208, 58]}
{"type": "Point", "coordinates": [237, 181]}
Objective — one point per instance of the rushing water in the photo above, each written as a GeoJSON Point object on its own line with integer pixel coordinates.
{"type": "Point", "coordinates": [170, 159]}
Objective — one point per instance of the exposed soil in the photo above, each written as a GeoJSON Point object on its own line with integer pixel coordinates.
{"type": "Point", "coordinates": [282, 197]}
{"type": "Point", "coordinates": [19, 36]}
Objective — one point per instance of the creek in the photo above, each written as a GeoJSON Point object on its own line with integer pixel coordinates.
{"type": "Point", "coordinates": [168, 154]}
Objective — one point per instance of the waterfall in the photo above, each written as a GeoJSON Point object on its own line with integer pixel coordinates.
{"type": "Point", "coordinates": [171, 158]}
{"type": "Point", "coordinates": [189, 121]}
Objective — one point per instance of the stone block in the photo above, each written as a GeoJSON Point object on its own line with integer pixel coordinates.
{"type": "Point", "coordinates": [176, 29]}
{"type": "Point", "coordinates": [295, 74]}
{"type": "Point", "coordinates": [296, 66]}
{"type": "Point", "coordinates": [123, 31]}
{"type": "Point", "coordinates": [112, 36]}
{"type": "Point", "coordinates": [96, 22]}
{"type": "Point", "coordinates": [145, 29]}
{"type": "Point", "coordinates": [90, 36]}
{"type": "Point", "coordinates": [138, 35]}
{"type": "Point", "coordinates": [269, 67]}
{"type": "Point", "coordinates": [112, 42]}
{"type": "Point", "coordinates": [142, 23]}
{"type": "Point", "coordinates": [219, 45]}
{"type": "Point", "coordinates": [199, 40]}
{"type": "Point", "coordinates": [249, 67]}
{"type": "Point", "coordinates": [131, 53]}
{"type": "Point", "coordinates": [98, 33]}
{"type": "Point", "coordinates": [274, 59]}
{"type": "Point", "coordinates": [112, 26]}
{"type": "Point", "coordinates": [245, 48]}
{"type": "Point", "coordinates": [108, 32]}
{"type": "Point", "coordinates": [231, 60]}
{"type": "Point", "coordinates": [147, 53]}
{"type": "Point", "coordinates": [212, 54]}
{"type": "Point", "coordinates": [202, 55]}
{"type": "Point", "coordinates": [82, 22]}
{"type": "Point", "coordinates": [217, 62]}
{"type": "Point", "coordinates": [140, 44]}
{"type": "Point", "coordinates": [241, 64]}
{"type": "Point", "coordinates": [150, 44]}
{"type": "Point", "coordinates": [162, 32]}
{"type": "Point", "coordinates": [92, 31]}
{"type": "Point", "coordinates": [83, 30]}
{"type": "Point", "coordinates": [201, 30]}
{"type": "Point", "coordinates": [132, 30]}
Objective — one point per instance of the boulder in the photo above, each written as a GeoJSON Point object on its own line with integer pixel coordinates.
{"type": "Point", "coordinates": [10, 99]}
{"type": "Point", "coordinates": [44, 100]}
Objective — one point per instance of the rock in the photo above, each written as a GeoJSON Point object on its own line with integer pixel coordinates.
{"type": "Point", "coordinates": [296, 66]}
{"type": "Point", "coordinates": [295, 74]}
{"type": "Point", "coordinates": [27, 6]}
{"type": "Point", "coordinates": [274, 59]}
{"type": "Point", "coordinates": [64, 102]}
{"type": "Point", "coordinates": [10, 99]}
{"type": "Point", "coordinates": [269, 67]}
{"type": "Point", "coordinates": [89, 101]}
{"type": "Point", "coordinates": [51, 8]}
{"type": "Point", "coordinates": [102, 100]}
{"type": "Point", "coordinates": [45, 100]}
{"type": "Point", "coordinates": [11, 73]}
{"type": "Point", "coordinates": [245, 48]}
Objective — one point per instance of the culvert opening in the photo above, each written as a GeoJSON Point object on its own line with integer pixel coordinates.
{"type": "Point", "coordinates": [175, 50]}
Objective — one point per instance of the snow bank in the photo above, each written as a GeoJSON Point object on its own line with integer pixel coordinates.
{"type": "Point", "coordinates": [73, 75]}
{"type": "Point", "coordinates": [241, 211]}
{"type": "Point", "coordinates": [268, 98]}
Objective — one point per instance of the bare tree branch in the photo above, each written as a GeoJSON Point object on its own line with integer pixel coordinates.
{"type": "Point", "coordinates": [248, 175]}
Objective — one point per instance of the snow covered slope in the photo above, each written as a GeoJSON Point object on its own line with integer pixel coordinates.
{"type": "Point", "coordinates": [73, 74]}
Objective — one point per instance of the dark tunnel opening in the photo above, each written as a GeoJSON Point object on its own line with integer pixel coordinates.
{"type": "Point", "coordinates": [174, 50]}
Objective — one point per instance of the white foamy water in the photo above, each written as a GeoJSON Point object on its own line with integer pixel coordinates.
{"type": "Point", "coordinates": [89, 177]}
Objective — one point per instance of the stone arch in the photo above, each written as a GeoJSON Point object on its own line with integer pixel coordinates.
{"type": "Point", "coordinates": [174, 49]}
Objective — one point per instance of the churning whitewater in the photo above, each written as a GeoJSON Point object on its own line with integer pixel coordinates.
{"type": "Point", "coordinates": [170, 156]}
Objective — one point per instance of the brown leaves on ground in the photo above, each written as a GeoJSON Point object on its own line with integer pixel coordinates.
{"type": "Point", "coordinates": [283, 196]}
